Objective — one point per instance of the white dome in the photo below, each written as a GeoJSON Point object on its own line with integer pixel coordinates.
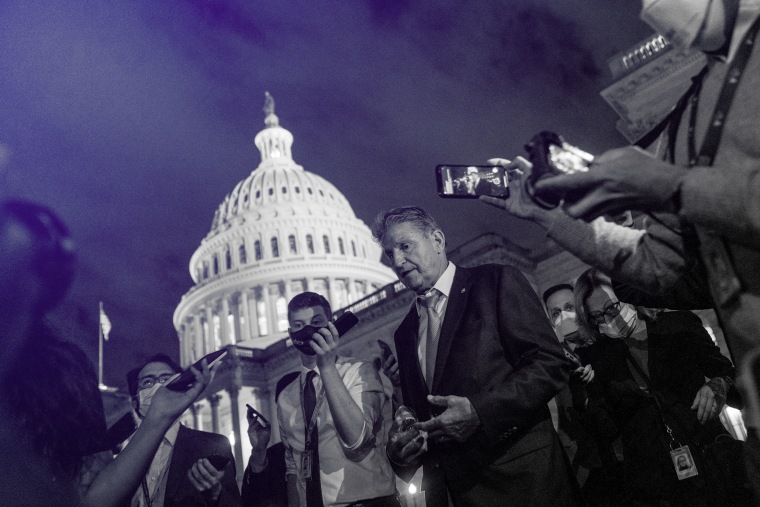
{"type": "Point", "coordinates": [281, 230]}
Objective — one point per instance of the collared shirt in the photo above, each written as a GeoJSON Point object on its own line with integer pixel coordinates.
{"type": "Point", "coordinates": [349, 471]}
{"type": "Point", "coordinates": [158, 471]}
{"type": "Point", "coordinates": [748, 11]}
{"type": "Point", "coordinates": [443, 285]}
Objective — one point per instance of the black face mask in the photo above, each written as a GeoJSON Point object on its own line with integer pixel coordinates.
{"type": "Point", "coordinates": [302, 338]}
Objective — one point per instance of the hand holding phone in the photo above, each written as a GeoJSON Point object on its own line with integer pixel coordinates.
{"type": "Point", "coordinates": [254, 415]}
{"type": "Point", "coordinates": [187, 378]}
{"type": "Point", "coordinates": [217, 461]}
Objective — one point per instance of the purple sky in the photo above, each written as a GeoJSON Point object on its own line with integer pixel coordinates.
{"type": "Point", "coordinates": [133, 120]}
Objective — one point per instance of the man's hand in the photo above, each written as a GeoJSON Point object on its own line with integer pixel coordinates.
{"type": "Point", "coordinates": [618, 180]}
{"type": "Point", "coordinates": [168, 405]}
{"type": "Point", "coordinates": [390, 368]}
{"type": "Point", "coordinates": [258, 435]}
{"type": "Point", "coordinates": [325, 344]}
{"type": "Point", "coordinates": [206, 478]}
{"type": "Point", "coordinates": [458, 422]}
{"type": "Point", "coordinates": [519, 203]}
{"type": "Point", "coordinates": [584, 374]}
{"type": "Point", "coordinates": [707, 404]}
{"type": "Point", "coordinates": [406, 448]}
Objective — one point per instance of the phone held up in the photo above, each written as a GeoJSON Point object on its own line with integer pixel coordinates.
{"type": "Point", "coordinates": [255, 415]}
{"type": "Point", "coordinates": [472, 181]}
{"type": "Point", "coordinates": [186, 380]}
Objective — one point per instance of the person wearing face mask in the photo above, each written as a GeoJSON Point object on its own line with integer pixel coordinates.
{"type": "Point", "coordinates": [699, 183]}
{"type": "Point", "coordinates": [598, 471]}
{"type": "Point", "coordinates": [334, 418]}
{"type": "Point", "coordinates": [180, 472]}
{"type": "Point", "coordinates": [649, 389]}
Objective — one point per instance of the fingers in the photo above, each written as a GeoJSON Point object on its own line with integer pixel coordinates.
{"type": "Point", "coordinates": [432, 426]}
{"type": "Point", "coordinates": [705, 405]}
{"type": "Point", "coordinates": [494, 201]}
{"type": "Point", "coordinates": [203, 475]}
{"type": "Point", "coordinates": [441, 401]}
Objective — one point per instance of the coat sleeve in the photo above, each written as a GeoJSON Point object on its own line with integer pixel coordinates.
{"type": "Point", "coordinates": [538, 368]}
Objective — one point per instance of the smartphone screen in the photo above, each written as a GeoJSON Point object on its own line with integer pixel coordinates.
{"type": "Point", "coordinates": [471, 181]}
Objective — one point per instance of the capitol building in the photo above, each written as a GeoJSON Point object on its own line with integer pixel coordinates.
{"type": "Point", "coordinates": [281, 231]}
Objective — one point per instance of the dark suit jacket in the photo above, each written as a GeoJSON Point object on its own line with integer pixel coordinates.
{"type": "Point", "coordinates": [190, 446]}
{"type": "Point", "coordinates": [267, 488]}
{"type": "Point", "coordinates": [497, 349]}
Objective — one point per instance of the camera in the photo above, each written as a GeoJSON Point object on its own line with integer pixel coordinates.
{"type": "Point", "coordinates": [551, 155]}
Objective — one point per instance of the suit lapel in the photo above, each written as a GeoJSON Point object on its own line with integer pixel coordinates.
{"type": "Point", "coordinates": [458, 296]}
{"type": "Point", "coordinates": [177, 466]}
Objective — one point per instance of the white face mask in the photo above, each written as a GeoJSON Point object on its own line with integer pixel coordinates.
{"type": "Point", "coordinates": [565, 325]}
{"type": "Point", "coordinates": [144, 397]}
{"type": "Point", "coordinates": [680, 21]}
{"type": "Point", "coordinates": [623, 325]}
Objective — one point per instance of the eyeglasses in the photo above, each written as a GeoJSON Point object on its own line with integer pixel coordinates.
{"type": "Point", "coordinates": [150, 380]}
{"type": "Point", "coordinates": [611, 311]}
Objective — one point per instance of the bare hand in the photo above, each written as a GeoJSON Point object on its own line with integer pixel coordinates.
{"type": "Point", "coordinates": [206, 478]}
{"type": "Point", "coordinates": [258, 435]}
{"type": "Point", "coordinates": [458, 422]}
{"type": "Point", "coordinates": [168, 405]}
{"type": "Point", "coordinates": [390, 368]}
{"type": "Point", "coordinates": [325, 344]}
{"type": "Point", "coordinates": [707, 405]}
{"type": "Point", "coordinates": [519, 203]}
{"type": "Point", "coordinates": [618, 180]}
{"type": "Point", "coordinates": [406, 448]}
{"type": "Point", "coordinates": [584, 373]}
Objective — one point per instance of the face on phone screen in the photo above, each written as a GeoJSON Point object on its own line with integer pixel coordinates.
{"type": "Point", "coordinates": [471, 181]}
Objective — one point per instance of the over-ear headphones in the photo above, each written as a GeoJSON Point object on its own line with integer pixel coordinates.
{"type": "Point", "coordinates": [53, 258]}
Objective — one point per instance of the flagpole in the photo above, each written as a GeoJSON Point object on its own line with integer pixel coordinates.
{"type": "Point", "coordinates": [100, 346]}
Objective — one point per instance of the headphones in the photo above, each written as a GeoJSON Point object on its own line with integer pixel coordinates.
{"type": "Point", "coordinates": [53, 257]}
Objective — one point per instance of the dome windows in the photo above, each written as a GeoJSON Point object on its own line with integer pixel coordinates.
{"type": "Point", "coordinates": [257, 250]}
{"type": "Point", "coordinates": [275, 247]}
{"type": "Point", "coordinates": [284, 190]}
{"type": "Point", "coordinates": [309, 244]}
{"type": "Point", "coordinates": [258, 194]}
{"type": "Point", "coordinates": [298, 190]}
{"type": "Point", "coordinates": [242, 254]}
{"type": "Point", "coordinates": [292, 244]}
{"type": "Point", "coordinates": [215, 263]}
{"type": "Point", "coordinates": [309, 190]}
{"type": "Point", "coordinates": [326, 243]}
{"type": "Point", "coordinates": [341, 248]}
{"type": "Point", "coordinates": [227, 259]}
{"type": "Point", "coordinates": [353, 248]}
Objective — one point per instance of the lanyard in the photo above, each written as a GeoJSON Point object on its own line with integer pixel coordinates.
{"type": "Point", "coordinates": [310, 427]}
{"type": "Point", "coordinates": [731, 83]}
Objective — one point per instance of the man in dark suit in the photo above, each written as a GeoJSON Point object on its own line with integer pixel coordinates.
{"type": "Point", "coordinates": [181, 473]}
{"type": "Point", "coordinates": [479, 363]}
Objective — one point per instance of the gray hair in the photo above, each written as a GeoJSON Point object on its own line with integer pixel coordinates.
{"type": "Point", "coordinates": [414, 215]}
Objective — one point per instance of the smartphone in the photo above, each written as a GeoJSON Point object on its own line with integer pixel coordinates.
{"type": "Point", "coordinates": [187, 379]}
{"type": "Point", "coordinates": [385, 350]}
{"type": "Point", "coordinates": [471, 181]}
{"type": "Point", "coordinates": [345, 322]}
{"type": "Point", "coordinates": [217, 461]}
{"type": "Point", "coordinates": [254, 415]}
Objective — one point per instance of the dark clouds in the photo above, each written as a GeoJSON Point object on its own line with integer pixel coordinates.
{"type": "Point", "coordinates": [134, 119]}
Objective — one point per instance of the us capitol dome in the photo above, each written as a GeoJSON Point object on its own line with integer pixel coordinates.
{"type": "Point", "coordinates": [281, 231]}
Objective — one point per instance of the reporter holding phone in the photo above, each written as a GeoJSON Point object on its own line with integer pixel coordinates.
{"type": "Point", "coordinates": [334, 418]}
{"type": "Point", "coordinates": [183, 470]}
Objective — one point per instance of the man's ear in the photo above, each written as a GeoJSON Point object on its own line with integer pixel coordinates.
{"type": "Point", "coordinates": [439, 241]}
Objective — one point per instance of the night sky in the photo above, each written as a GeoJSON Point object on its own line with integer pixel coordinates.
{"type": "Point", "coordinates": [134, 119]}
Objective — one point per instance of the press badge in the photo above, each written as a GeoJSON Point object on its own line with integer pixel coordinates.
{"type": "Point", "coordinates": [683, 463]}
{"type": "Point", "coordinates": [306, 464]}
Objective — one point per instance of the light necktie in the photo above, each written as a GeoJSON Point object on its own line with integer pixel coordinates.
{"type": "Point", "coordinates": [430, 301]}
